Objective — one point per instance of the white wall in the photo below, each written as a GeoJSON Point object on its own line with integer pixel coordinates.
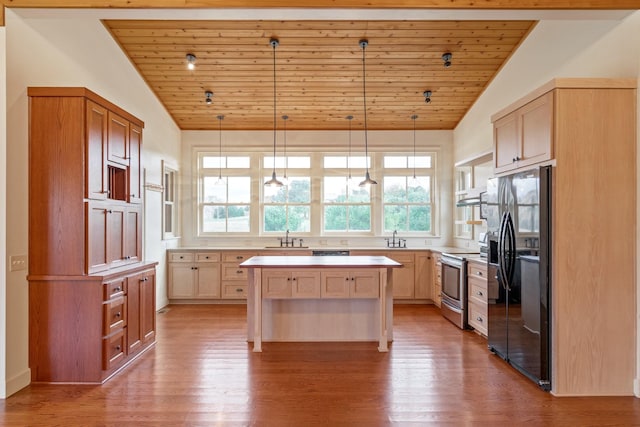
{"type": "Point", "coordinates": [68, 52]}
{"type": "Point", "coordinates": [315, 141]}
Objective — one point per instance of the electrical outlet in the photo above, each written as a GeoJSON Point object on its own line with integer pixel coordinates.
{"type": "Point", "coordinates": [17, 262]}
{"type": "Point", "coordinates": [344, 242]}
{"type": "Point", "coordinates": [427, 242]}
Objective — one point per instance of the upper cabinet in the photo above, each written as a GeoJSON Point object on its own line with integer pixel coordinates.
{"type": "Point", "coordinates": [84, 183]}
{"type": "Point", "coordinates": [524, 136]}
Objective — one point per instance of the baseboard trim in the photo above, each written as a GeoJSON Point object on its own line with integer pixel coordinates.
{"type": "Point", "coordinates": [18, 382]}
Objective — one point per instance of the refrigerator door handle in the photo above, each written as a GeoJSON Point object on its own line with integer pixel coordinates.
{"type": "Point", "coordinates": [510, 260]}
{"type": "Point", "coordinates": [501, 250]}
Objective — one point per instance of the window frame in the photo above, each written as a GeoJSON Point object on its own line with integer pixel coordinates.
{"type": "Point", "coordinates": [172, 188]}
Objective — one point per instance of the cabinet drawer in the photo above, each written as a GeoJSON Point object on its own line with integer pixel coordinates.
{"type": "Point", "coordinates": [233, 272]}
{"type": "Point", "coordinates": [181, 257]}
{"type": "Point", "coordinates": [208, 257]}
{"type": "Point", "coordinates": [477, 270]}
{"type": "Point", "coordinates": [478, 290]}
{"type": "Point", "coordinates": [234, 290]}
{"type": "Point", "coordinates": [114, 315]}
{"type": "Point", "coordinates": [113, 289]}
{"type": "Point", "coordinates": [236, 257]}
{"type": "Point", "coordinates": [113, 350]}
{"type": "Point", "coordinates": [478, 317]}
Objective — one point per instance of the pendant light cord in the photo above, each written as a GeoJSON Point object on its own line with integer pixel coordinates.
{"type": "Point", "coordinates": [220, 117]}
{"type": "Point", "coordinates": [414, 117]}
{"type": "Point", "coordinates": [364, 43]}
{"type": "Point", "coordinates": [274, 44]}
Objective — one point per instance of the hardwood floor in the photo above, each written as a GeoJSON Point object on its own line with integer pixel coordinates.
{"type": "Point", "coordinates": [203, 373]}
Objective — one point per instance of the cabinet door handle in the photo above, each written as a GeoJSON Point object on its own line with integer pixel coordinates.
{"type": "Point", "coordinates": [479, 319]}
{"type": "Point", "coordinates": [117, 289]}
{"type": "Point", "coordinates": [480, 293]}
{"type": "Point", "coordinates": [294, 279]}
{"type": "Point", "coordinates": [288, 279]}
{"type": "Point", "coordinates": [118, 348]}
{"type": "Point", "coordinates": [109, 211]}
{"type": "Point", "coordinates": [207, 257]}
{"type": "Point", "coordinates": [479, 273]}
{"type": "Point", "coordinates": [133, 195]}
{"type": "Point", "coordinates": [118, 314]}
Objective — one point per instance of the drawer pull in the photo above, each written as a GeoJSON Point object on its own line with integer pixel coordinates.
{"type": "Point", "coordinates": [239, 257]}
{"type": "Point", "coordinates": [479, 273]}
{"type": "Point", "coordinates": [181, 257]}
{"type": "Point", "coordinates": [480, 293]}
{"type": "Point", "coordinates": [239, 271]}
{"type": "Point", "coordinates": [117, 289]}
{"type": "Point", "coordinates": [239, 290]}
{"type": "Point", "coordinates": [207, 257]}
{"type": "Point", "coordinates": [118, 348]}
{"type": "Point", "coordinates": [479, 319]}
{"type": "Point", "coordinates": [118, 314]}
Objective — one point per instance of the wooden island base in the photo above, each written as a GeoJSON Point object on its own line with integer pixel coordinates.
{"type": "Point", "coordinates": [319, 298]}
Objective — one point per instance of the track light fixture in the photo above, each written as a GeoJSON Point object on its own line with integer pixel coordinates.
{"type": "Point", "coordinates": [208, 97]}
{"type": "Point", "coordinates": [446, 57]}
{"type": "Point", "coordinates": [367, 178]}
{"type": "Point", "coordinates": [427, 96]}
{"type": "Point", "coordinates": [191, 61]}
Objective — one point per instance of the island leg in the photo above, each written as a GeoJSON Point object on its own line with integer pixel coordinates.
{"type": "Point", "coordinates": [257, 313]}
{"type": "Point", "coordinates": [382, 309]}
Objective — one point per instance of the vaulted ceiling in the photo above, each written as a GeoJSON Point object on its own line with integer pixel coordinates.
{"type": "Point", "coordinates": [319, 75]}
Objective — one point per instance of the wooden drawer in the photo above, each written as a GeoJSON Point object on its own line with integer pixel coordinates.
{"type": "Point", "coordinates": [477, 270]}
{"type": "Point", "coordinates": [114, 315]}
{"type": "Point", "coordinates": [236, 257]}
{"type": "Point", "coordinates": [113, 350]}
{"type": "Point", "coordinates": [234, 290]}
{"type": "Point", "coordinates": [181, 257]}
{"type": "Point", "coordinates": [478, 318]}
{"type": "Point", "coordinates": [208, 257]}
{"type": "Point", "coordinates": [233, 272]}
{"type": "Point", "coordinates": [477, 290]}
{"type": "Point", "coordinates": [113, 289]}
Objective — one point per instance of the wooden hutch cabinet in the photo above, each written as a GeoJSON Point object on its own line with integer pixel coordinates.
{"type": "Point", "coordinates": [91, 297]}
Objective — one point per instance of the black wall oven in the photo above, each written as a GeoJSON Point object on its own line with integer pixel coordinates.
{"type": "Point", "coordinates": [454, 289]}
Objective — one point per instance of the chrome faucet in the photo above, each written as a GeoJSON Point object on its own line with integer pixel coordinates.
{"type": "Point", "coordinates": [287, 242]}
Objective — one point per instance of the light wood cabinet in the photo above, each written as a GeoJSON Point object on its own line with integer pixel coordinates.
{"type": "Point", "coordinates": [477, 293]}
{"type": "Point", "coordinates": [349, 284]}
{"type": "Point", "coordinates": [85, 242]}
{"type": "Point", "coordinates": [524, 137]}
{"type": "Point", "coordinates": [234, 278]}
{"type": "Point", "coordinates": [407, 287]}
{"type": "Point", "coordinates": [291, 284]}
{"type": "Point", "coordinates": [593, 243]}
{"type": "Point", "coordinates": [437, 278]}
{"type": "Point", "coordinates": [194, 275]}
{"type": "Point", "coordinates": [423, 289]}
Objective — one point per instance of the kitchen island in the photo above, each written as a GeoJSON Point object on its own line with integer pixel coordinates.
{"type": "Point", "coordinates": [320, 298]}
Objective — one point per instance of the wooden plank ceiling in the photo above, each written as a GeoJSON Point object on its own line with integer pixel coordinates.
{"type": "Point", "coordinates": [318, 70]}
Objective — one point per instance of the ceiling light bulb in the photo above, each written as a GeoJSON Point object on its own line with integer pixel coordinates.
{"type": "Point", "coordinates": [446, 57]}
{"type": "Point", "coordinates": [208, 95]}
{"type": "Point", "coordinates": [191, 61]}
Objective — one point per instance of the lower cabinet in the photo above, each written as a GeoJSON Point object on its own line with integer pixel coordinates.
{"type": "Point", "coordinates": [85, 329]}
{"type": "Point", "coordinates": [207, 275]}
{"type": "Point", "coordinates": [478, 296]}
{"type": "Point", "coordinates": [437, 278]}
{"type": "Point", "coordinates": [313, 284]}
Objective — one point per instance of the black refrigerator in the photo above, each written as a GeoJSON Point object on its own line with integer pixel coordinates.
{"type": "Point", "coordinates": [518, 213]}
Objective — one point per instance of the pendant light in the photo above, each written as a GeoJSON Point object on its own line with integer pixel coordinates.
{"type": "Point", "coordinates": [349, 177]}
{"type": "Point", "coordinates": [273, 182]}
{"type": "Point", "coordinates": [285, 180]}
{"type": "Point", "coordinates": [367, 179]}
{"type": "Point", "coordinates": [414, 180]}
{"type": "Point", "coordinates": [220, 181]}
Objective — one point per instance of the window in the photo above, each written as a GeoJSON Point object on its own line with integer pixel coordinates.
{"type": "Point", "coordinates": [288, 207]}
{"type": "Point", "coordinates": [346, 206]}
{"type": "Point", "coordinates": [240, 204]}
{"type": "Point", "coordinates": [407, 194]}
{"type": "Point", "coordinates": [224, 194]}
{"type": "Point", "coordinates": [169, 201]}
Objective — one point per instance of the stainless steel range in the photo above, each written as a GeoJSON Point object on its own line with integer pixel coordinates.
{"type": "Point", "coordinates": [454, 289]}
